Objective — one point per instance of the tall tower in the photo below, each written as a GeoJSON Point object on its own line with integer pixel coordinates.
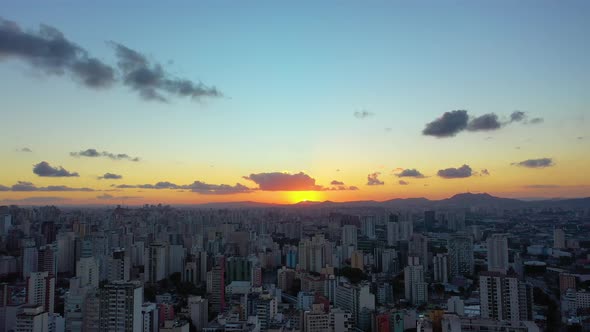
{"type": "Point", "coordinates": [497, 253]}
{"type": "Point", "coordinates": [460, 255]}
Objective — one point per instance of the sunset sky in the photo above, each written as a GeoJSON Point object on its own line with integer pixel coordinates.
{"type": "Point", "coordinates": [193, 102]}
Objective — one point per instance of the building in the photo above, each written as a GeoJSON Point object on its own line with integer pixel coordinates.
{"type": "Point", "coordinates": [314, 253]}
{"type": "Point", "coordinates": [119, 266]}
{"type": "Point", "coordinates": [559, 239]}
{"type": "Point", "coordinates": [368, 224]}
{"type": "Point", "coordinates": [88, 271]}
{"type": "Point", "coordinates": [460, 248]}
{"type": "Point", "coordinates": [418, 247]}
{"type": "Point", "coordinates": [216, 288]}
{"type": "Point", "coordinates": [392, 228]}
{"type": "Point", "coordinates": [238, 269]}
{"type": "Point", "coordinates": [316, 320]}
{"type": "Point", "coordinates": [566, 281]}
{"type": "Point", "coordinates": [349, 239]}
{"type": "Point", "coordinates": [505, 297]}
{"type": "Point", "coordinates": [498, 253]}
{"type": "Point", "coordinates": [416, 289]}
{"type": "Point", "coordinates": [198, 311]}
{"type": "Point", "coordinates": [357, 260]}
{"type": "Point", "coordinates": [354, 298]}
{"type": "Point", "coordinates": [33, 318]}
{"type": "Point", "coordinates": [440, 264]}
{"type": "Point", "coordinates": [285, 278]}
{"type": "Point", "coordinates": [29, 257]}
{"type": "Point", "coordinates": [155, 264]}
{"type": "Point", "coordinates": [120, 307]}
{"type": "Point", "coordinates": [149, 317]}
{"type": "Point", "coordinates": [456, 305]}
{"type": "Point", "coordinates": [454, 323]}
{"type": "Point", "coordinates": [41, 290]}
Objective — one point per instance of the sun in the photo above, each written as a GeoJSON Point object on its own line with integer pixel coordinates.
{"type": "Point", "coordinates": [305, 196]}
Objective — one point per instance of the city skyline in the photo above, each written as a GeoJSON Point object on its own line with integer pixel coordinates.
{"type": "Point", "coordinates": [279, 103]}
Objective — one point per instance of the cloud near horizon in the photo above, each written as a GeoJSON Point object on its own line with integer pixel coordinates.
{"type": "Point", "coordinates": [196, 187]}
{"type": "Point", "coordinates": [28, 186]}
{"type": "Point", "coordinates": [373, 179]}
{"type": "Point", "coordinates": [403, 183]}
{"type": "Point", "coordinates": [277, 181]}
{"type": "Point", "coordinates": [110, 176]}
{"type": "Point", "coordinates": [410, 173]}
{"type": "Point", "coordinates": [453, 122]}
{"type": "Point", "coordinates": [93, 153]}
{"type": "Point", "coordinates": [34, 200]}
{"type": "Point", "coordinates": [44, 169]}
{"type": "Point", "coordinates": [535, 163]}
{"type": "Point", "coordinates": [455, 173]}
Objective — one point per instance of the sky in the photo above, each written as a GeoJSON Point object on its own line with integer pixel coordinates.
{"type": "Point", "coordinates": [191, 102]}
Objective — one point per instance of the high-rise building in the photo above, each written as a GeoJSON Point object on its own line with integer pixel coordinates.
{"type": "Point", "coordinates": [88, 271]}
{"type": "Point", "coordinates": [48, 230]}
{"type": "Point", "coordinates": [198, 310]}
{"type": "Point", "coordinates": [29, 257]}
{"type": "Point", "coordinates": [314, 253]}
{"type": "Point", "coordinates": [429, 219]}
{"type": "Point", "coordinates": [150, 317]}
{"type": "Point", "coordinates": [33, 318]}
{"type": "Point", "coordinates": [238, 269]}
{"type": "Point", "coordinates": [119, 266]}
{"type": "Point", "coordinates": [441, 268]}
{"type": "Point", "coordinates": [285, 278]}
{"type": "Point", "coordinates": [120, 306]}
{"type": "Point", "coordinates": [368, 224]}
{"type": "Point", "coordinates": [456, 305]}
{"type": "Point", "coordinates": [357, 260]}
{"type": "Point", "coordinates": [216, 287]}
{"type": "Point", "coordinates": [497, 253]}
{"type": "Point", "coordinates": [41, 290]}
{"type": "Point", "coordinates": [389, 261]}
{"type": "Point", "coordinates": [316, 320]}
{"type": "Point", "coordinates": [392, 228]}
{"type": "Point", "coordinates": [418, 247]}
{"type": "Point", "coordinates": [559, 238]}
{"type": "Point", "coordinates": [460, 247]}
{"type": "Point", "coordinates": [354, 298]}
{"type": "Point", "coordinates": [349, 239]}
{"type": "Point", "coordinates": [416, 289]}
{"type": "Point", "coordinates": [341, 320]}
{"type": "Point", "coordinates": [47, 259]}
{"type": "Point", "coordinates": [505, 297]}
{"type": "Point", "coordinates": [406, 229]}
{"type": "Point", "coordinates": [156, 265]}
{"type": "Point", "coordinates": [175, 259]}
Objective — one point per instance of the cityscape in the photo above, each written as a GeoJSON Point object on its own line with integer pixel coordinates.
{"type": "Point", "coordinates": [295, 167]}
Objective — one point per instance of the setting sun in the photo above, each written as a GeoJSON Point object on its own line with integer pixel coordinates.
{"type": "Point", "coordinates": [305, 196]}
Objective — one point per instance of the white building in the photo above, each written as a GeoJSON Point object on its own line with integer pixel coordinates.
{"type": "Point", "coordinates": [416, 290]}
{"type": "Point", "coordinates": [498, 253]}
{"type": "Point", "coordinates": [120, 307]}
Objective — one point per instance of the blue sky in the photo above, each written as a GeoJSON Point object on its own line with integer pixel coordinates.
{"type": "Point", "coordinates": [292, 76]}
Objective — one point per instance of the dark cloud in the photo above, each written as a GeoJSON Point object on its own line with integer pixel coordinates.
{"type": "Point", "coordinates": [337, 183]}
{"type": "Point", "coordinates": [49, 51]}
{"type": "Point", "coordinates": [363, 114]}
{"type": "Point", "coordinates": [452, 123]}
{"type": "Point", "coordinates": [403, 183]}
{"type": "Point", "coordinates": [93, 153]}
{"type": "Point", "coordinates": [455, 173]}
{"type": "Point", "coordinates": [4, 188]}
{"type": "Point", "coordinates": [484, 172]}
{"type": "Point", "coordinates": [448, 125]}
{"type": "Point", "coordinates": [410, 173]}
{"type": "Point", "coordinates": [373, 179]}
{"type": "Point", "coordinates": [484, 123]}
{"type": "Point", "coordinates": [278, 181]}
{"type": "Point", "coordinates": [44, 169]}
{"type": "Point", "coordinates": [517, 116]}
{"type": "Point", "coordinates": [152, 82]}
{"type": "Point", "coordinates": [580, 137]}
{"type": "Point", "coordinates": [196, 187]}
{"type": "Point", "coordinates": [25, 149]}
{"type": "Point", "coordinates": [28, 186]}
{"type": "Point", "coordinates": [110, 176]}
{"type": "Point", "coordinates": [338, 186]}
{"type": "Point", "coordinates": [217, 189]}
{"type": "Point", "coordinates": [535, 163]}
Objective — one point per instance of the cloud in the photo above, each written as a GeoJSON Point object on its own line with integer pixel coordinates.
{"type": "Point", "coordinates": [110, 176]}
{"type": "Point", "coordinates": [363, 114]}
{"type": "Point", "coordinates": [34, 200]}
{"type": "Point", "coordinates": [542, 186]}
{"type": "Point", "coordinates": [338, 186]}
{"type": "Point", "coordinates": [196, 187]}
{"type": "Point", "coordinates": [25, 149]}
{"type": "Point", "coordinates": [277, 181]}
{"type": "Point", "coordinates": [388, 129]}
{"type": "Point", "coordinates": [373, 179]}
{"type": "Point", "coordinates": [484, 123]}
{"type": "Point", "coordinates": [484, 172]}
{"type": "Point", "coordinates": [403, 183]}
{"type": "Point", "coordinates": [455, 173]}
{"type": "Point", "coordinates": [93, 153]}
{"type": "Point", "coordinates": [535, 163]}
{"type": "Point", "coordinates": [217, 189]}
{"type": "Point", "coordinates": [49, 51]}
{"type": "Point", "coordinates": [580, 137]}
{"type": "Point", "coordinates": [152, 82]}
{"type": "Point", "coordinates": [111, 197]}
{"type": "Point", "coordinates": [454, 122]}
{"type": "Point", "coordinates": [44, 169]}
{"type": "Point", "coordinates": [337, 183]}
{"type": "Point", "coordinates": [410, 173]}
{"type": "Point", "coordinates": [28, 186]}
{"type": "Point", "coordinates": [448, 125]}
